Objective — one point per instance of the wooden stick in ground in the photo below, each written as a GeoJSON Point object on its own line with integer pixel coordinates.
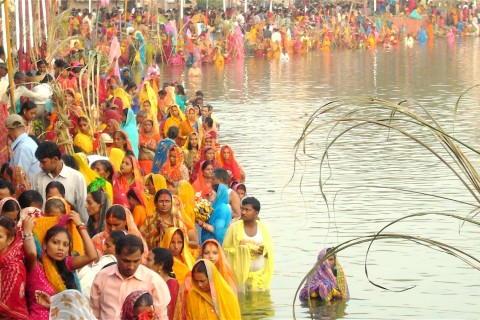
{"type": "Point", "coordinates": [9, 56]}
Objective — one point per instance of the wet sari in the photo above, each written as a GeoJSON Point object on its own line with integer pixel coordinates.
{"type": "Point", "coordinates": [325, 281]}
{"type": "Point", "coordinates": [174, 173]}
{"type": "Point", "coordinates": [220, 303]}
{"type": "Point", "coordinates": [130, 127]}
{"type": "Point", "coordinates": [100, 238]}
{"type": "Point", "coordinates": [13, 277]}
{"type": "Point", "coordinates": [181, 267]}
{"type": "Point", "coordinates": [240, 256]}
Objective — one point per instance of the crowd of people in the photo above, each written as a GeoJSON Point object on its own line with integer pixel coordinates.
{"type": "Point", "coordinates": [147, 219]}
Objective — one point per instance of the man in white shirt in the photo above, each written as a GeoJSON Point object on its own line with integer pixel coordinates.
{"type": "Point", "coordinates": [23, 146]}
{"type": "Point", "coordinates": [53, 169]}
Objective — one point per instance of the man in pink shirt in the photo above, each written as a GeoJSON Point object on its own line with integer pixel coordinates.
{"type": "Point", "coordinates": [113, 284]}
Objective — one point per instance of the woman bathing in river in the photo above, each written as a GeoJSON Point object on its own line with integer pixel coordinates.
{"type": "Point", "coordinates": [328, 282]}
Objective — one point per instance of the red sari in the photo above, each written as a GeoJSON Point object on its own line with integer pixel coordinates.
{"type": "Point", "coordinates": [231, 165]}
{"type": "Point", "coordinates": [13, 276]}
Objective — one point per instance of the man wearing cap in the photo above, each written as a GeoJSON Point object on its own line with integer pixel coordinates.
{"type": "Point", "coordinates": [23, 146]}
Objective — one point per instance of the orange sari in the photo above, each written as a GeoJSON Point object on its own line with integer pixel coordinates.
{"type": "Point", "coordinates": [200, 185]}
{"type": "Point", "coordinates": [182, 266]}
{"type": "Point", "coordinates": [173, 174]}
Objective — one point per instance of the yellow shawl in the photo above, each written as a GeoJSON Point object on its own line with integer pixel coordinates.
{"type": "Point", "coordinates": [239, 257]}
{"type": "Point", "coordinates": [219, 303]}
{"type": "Point", "coordinates": [180, 268]}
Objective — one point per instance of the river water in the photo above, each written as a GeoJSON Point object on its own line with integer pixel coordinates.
{"type": "Point", "coordinates": [263, 107]}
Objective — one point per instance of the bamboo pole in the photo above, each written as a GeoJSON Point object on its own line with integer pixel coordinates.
{"type": "Point", "coordinates": [9, 57]}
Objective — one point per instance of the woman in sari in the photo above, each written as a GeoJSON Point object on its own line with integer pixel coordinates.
{"type": "Point", "coordinates": [174, 118]}
{"type": "Point", "coordinates": [98, 177]}
{"type": "Point", "coordinates": [161, 261]}
{"type": "Point", "coordinates": [97, 206]}
{"type": "Point", "coordinates": [227, 161]}
{"type": "Point", "coordinates": [180, 97]}
{"type": "Point", "coordinates": [165, 216]}
{"type": "Point", "coordinates": [210, 297]}
{"type": "Point", "coordinates": [328, 282]}
{"type": "Point", "coordinates": [128, 177]}
{"type": "Point", "coordinates": [148, 139]}
{"type": "Point", "coordinates": [161, 155]}
{"type": "Point", "coordinates": [19, 178]}
{"type": "Point", "coordinates": [186, 193]}
{"type": "Point", "coordinates": [137, 205]}
{"type": "Point", "coordinates": [191, 150]}
{"type": "Point", "coordinates": [138, 305]}
{"type": "Point", "coordinates": [174, 170]}
{"type": "Point", "coordinates": [208, 153]}
{"type": "Point", "coordinates": [216, 226]}
{"type": "Point", "coordinates": [12, 272]}
{"type": "Point", "coordinates": [129, 125]}
{"type": "Point", "coordinates": [117, 218]}
{"type": "Point", "coordinates": [122, 142]}
{"type": "Point", "coordinates": [188, 126]}
{"type": "Point", "coordinates": [174, 240]}
{"type": "Point", "coordinates": [112, 126]}
{"type": "Point", "coordinates": [151, 112]}
{"type": "Point", "coordinates": [83, 139]}
{"type": "Point", "coordinates": [212, 251]}
{"type": "Point", "coordinates": [203, 184]}
{"type": "Point", "coordinates": [153, 183]}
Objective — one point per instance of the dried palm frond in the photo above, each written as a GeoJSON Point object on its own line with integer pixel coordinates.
{"type": "Point", "coordinates": [62, 123]}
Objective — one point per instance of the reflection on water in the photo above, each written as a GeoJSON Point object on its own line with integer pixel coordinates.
{"type": "Point", "coordinates": [263, 106]}
{"type": "Point", "coordinates": [326, 310]}
{"type": "Point", "coordinates": [256, 305]}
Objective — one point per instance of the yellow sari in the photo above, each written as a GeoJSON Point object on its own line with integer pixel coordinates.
{"type": "Point", "coordinates": [239, 257]}
{"type": "Point", "coordinates": [159, 183]}
{"type": "Point", "coordinates": [116, 156]}
{"type": "Point", "coordinates": [84, 142]}
{"type": "Point", "coordinates": [187, 196]}
{"type": "Point", "coordinates": [180, 267]}
{"type": "Point", "coordinates": [173, 121]}
{"type": "Point", "coordinates": [147, 93]}
{"type": "Point", "coordinates": [219, 303]}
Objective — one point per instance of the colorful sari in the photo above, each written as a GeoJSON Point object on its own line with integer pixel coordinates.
{"type": "Point", "coordinates": [239, 257]}
{"type": "Point", "coordinates": [173, 174]}
{"type": "Point", "coordinates": [221, 299]}
{"type": "Point", "coordinates": [181, 267]}
{"type": "Point", "coordinates": [148, 94]}
{"type": "Point", "coordinates": [161, 155]}
{"type": "Point", "coordinates": [130, 127]}
{"type": "Point", "coordinates": [171, 120]}
{"type": "Point", "coordinates": [20, 180]}
{"type": "Point", "coordinates": [325, 281]}
{"type": "Point", "coordinates": [190, 155]}
{"type": "Point", "coordinates": [220, 217]}
{"type": "Point", "coordinates": [198, 165]}
{"type": "Point", "coordinates": [154, 228]}
{"type": "Point", "coordinates": [201, 186]}
{"type": "Point", "coordinates": [100, 238]}
{"type": "Point", "coordinates": [222, 265]}
{"type": "Point", "coordinates": [186, 128]}
{"type": "Point", "coordinates": [159, 183]}
{"type": "Point", "coordinates": [128, 305]}
{"type": "Point", "coordinates": [13, 277]}
{"type": "Point", "coordinates": [146, 155]}
{"type": "Point", "coordinates": [231, 165]}
{"type": "Point", "coordinates": [139, 212]}
{"type": "Point", "coordinates": [121, 185]}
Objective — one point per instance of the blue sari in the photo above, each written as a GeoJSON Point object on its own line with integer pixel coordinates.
{"type": "Point", "coordinates": [161, 154]}
{"type": "Point", "coordinates": [220, 217]}
{"type": "Point", "coordinates": [130, 127]}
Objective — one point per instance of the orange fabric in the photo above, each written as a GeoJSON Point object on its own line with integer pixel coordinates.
{"type": "Point", "coordinates": [222, 265]}
{"type": "Point", "coordinates": [173, 172]}
{"type": "Point", "coordinates": [200, 185]}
